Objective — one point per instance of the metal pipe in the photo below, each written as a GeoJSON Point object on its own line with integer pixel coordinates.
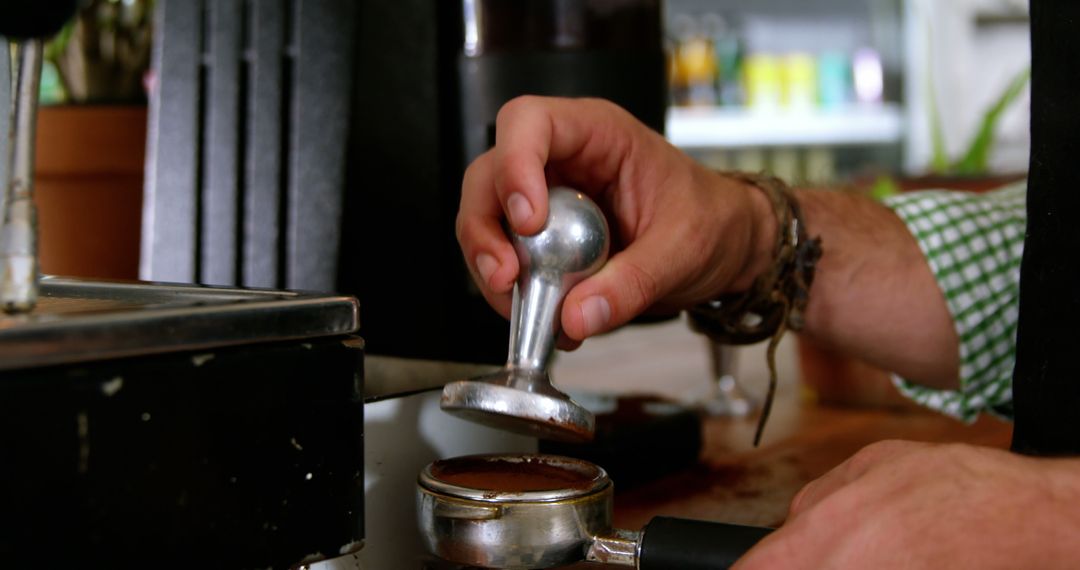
{"type": "Point", "coordinates": [620, 548]}
{"type": "Point", "coordinates": [6, 106]}
{"type": "Point", "coordinates": [18, 236]}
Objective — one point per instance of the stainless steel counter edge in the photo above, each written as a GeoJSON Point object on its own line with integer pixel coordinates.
{"type": "Point", "coordinates": [390, 376]}
{"type": "Point", "coordinates": [228, 317]}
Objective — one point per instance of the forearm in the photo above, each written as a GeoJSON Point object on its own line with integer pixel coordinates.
{"type": "Point", "coordinates": [874, 293]}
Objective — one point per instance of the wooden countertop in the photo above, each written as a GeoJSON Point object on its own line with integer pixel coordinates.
{"type": "Point", "coordinates": [737, 483]}
{"type": "Point", "coordinates": [734, 482]}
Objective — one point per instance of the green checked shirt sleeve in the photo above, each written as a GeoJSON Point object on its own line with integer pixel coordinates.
{"type": "Point", "coordinates": [973, 243]}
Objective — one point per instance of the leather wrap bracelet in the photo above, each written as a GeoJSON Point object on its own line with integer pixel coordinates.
{"type": "Point", "coordinates": [778, 297]}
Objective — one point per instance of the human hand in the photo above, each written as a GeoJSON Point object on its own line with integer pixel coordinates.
{"type": "Point", "coordinates": [899, 504]}
{"type": "Point", "coordinates": [682, 234]}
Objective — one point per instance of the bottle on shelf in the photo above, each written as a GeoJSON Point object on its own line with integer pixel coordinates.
{"type": "Point", "coordinates": [693, 78]}
{"type": "Point", "coordinates": [799, 82]}
{"type": "Point", "coordinates": [869, 76]}
{"type": "Point", "coordinates": [764, 83]}
{"type": "Point", "coordinates": [728, 45]}
{"type": "Point", "coordinates": [834, 80]}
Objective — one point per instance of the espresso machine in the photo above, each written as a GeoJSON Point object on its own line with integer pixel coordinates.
{"type": "Point", "coordinates": [164, 425]}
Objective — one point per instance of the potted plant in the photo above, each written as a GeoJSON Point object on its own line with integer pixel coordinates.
{"type": "Point", "coordinates": [91, 138]}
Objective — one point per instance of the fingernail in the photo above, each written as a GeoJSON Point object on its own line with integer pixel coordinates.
{"type": "Point", "coordinates": [520, 209]}
{"type": "Point", "coordinates": [486, 264]}
{"type": "Point", "coordinates": [596, 312]}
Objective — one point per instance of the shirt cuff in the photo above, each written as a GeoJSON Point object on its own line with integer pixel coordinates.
{"type": "Point", "coordinates": [973, 243]}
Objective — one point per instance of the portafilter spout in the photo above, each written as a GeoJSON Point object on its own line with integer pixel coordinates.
{"type": "Point", "coordinates": [572, 245]}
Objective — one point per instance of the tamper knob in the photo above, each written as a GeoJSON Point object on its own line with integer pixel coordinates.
{"type": "Point", "coordinates": [572, 246]}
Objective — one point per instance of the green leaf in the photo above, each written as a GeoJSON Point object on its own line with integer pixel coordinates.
{"type": "Point", "coordinates": [56, 46]}
{"type": "Point", "coordinates": [977, 159]}
{"type": "Point", "coordinates": [884, 187]}
{"type": "Point", "coordinates": [939, 159]}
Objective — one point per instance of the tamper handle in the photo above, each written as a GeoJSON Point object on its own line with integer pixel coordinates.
{"type": "Point", "coordinates": [572, 246]}
{"type": "Point", "coordinates": [535, 322]}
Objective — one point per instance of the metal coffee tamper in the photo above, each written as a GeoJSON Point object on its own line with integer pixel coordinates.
{"type": "Point", "coordinates": [572, 245]}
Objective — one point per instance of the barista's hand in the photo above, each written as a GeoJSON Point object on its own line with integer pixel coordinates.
{"type": "Point", "coordinates": [899, 504]}
{"type": "Point", "coordinates": [681, 233]}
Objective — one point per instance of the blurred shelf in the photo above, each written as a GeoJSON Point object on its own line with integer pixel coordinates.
{"type": "Point", "coordinates": [725, 127]}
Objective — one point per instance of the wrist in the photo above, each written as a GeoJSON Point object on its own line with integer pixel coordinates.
{"type": "Point", "coordinates": [761, 252]}
{"type": "Point", "coordinates": [774, 274]}
{"type": "Point", "coordinates": [775, 277]}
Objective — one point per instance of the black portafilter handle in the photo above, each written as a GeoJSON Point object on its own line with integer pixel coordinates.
{"type": "Point", "coordinates": [27, 19]}
{"type": "Point", "coordinates": [681, 544]}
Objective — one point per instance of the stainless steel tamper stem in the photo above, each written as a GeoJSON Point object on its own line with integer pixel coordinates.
{"type": "Point", "coordinates": [572, 246]}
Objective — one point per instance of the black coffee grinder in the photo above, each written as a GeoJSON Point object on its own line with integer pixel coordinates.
{"type": "Point", "coordinates": [566, 48]}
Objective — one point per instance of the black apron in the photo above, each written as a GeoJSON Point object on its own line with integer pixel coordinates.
{"type": "Point", "coordinates": [1046, 386]}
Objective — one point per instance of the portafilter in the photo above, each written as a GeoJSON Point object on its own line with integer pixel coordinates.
{"type": "Point", "coordinates": [540, 511]}
{"type": "Point", "coordinates": [572, 245]}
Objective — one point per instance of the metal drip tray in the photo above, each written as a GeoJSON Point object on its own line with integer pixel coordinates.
{"type": "Point", "coordinates": [82, 320]}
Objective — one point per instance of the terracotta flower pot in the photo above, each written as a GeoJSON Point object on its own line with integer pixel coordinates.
{"type": "Point", "coordinates": [88, 189]}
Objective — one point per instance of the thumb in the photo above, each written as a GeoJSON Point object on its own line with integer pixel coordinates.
{"type": "Point", "coordinates": [632, 281]}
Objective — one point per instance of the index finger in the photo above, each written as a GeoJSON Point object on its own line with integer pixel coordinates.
{"type": "Point", "coordinates": [488, 253]}
{"type": "Point", "coordinates": [533, 132]}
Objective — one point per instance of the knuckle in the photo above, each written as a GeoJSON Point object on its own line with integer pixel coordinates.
{"type": "Point", "coordinates": [885, 447]}
{"type": "Point", "coordinates": [870, 456]}
{"type": "Point", "coordinates": [640, 287]}
{"type": "Point", "coordinates": [459, 229]}
{"type": "Point", "coordinates": [469, 176]}
{"type": "Point", "coordinates": [799, 500]}
{"type": "Point", "coordinates": [474, 173]}
{"type": "Point", "coordinates": [865, 458]}
{"type": "Point", "coordinates": [467, 235]}
{"type": "Point", "coordinates": [605, 105]}
{"type": "Point", "coordinates": [516, 106]}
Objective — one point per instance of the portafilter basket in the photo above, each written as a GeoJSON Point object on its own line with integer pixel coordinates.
{"type": "Point", "coordinates": [540, 511]}
{"type": "Point", "coordinates": [572, 245]}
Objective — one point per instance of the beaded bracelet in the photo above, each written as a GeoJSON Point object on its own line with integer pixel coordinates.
{"type": "Point", "coordinates": [776, 301]}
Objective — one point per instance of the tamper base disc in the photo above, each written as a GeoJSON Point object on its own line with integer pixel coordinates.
{"type": "Point", "coordinates": [510, 409]}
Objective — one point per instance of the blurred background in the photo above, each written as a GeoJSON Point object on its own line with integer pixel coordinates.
{"type": "Point", "coordinates": [831, 90]}
{"type": "Point", "coordinates": [874, 96]}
